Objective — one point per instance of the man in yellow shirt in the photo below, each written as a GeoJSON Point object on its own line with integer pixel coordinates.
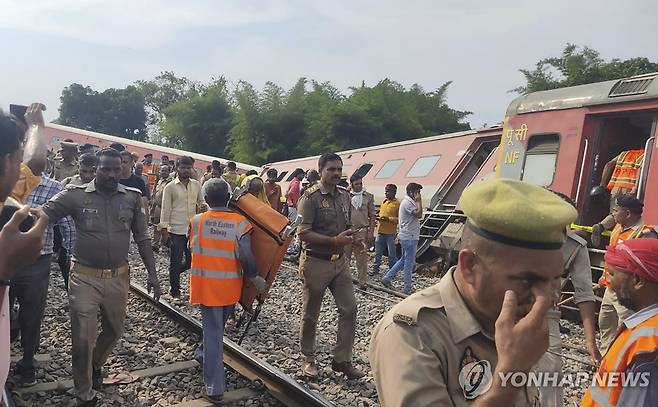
{"type": "Point", "coordinates": [387, 229]}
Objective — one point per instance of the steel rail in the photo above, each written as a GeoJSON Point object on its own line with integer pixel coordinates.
{"type": "Point", "coordinates": [283, 387]}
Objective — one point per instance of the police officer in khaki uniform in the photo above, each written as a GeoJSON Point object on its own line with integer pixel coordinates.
{"type": "Point", "coordinates": [104, 212]}
{"type": "Point", "coordinates": [448, 345]}
{"type": "Point", "coordinates": [66, 164]}
{"type": "Point", "coordinates": [324, 232]}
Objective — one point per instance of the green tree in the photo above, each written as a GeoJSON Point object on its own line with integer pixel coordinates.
{"type": "Point", "coordinates": [578, 66]}
{"type": "Point", "coordinates": [119, 112]}
{"type": "Point", "coordinates": [200, 122]}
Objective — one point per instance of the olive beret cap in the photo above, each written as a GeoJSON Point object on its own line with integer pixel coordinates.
{"type": "Point", "coordinates": [517, 213]}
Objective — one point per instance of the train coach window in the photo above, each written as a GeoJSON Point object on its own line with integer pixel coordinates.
{"type": "Point", "coordinates": [389, 168]}
{"type": "Point", "coordinates": [540, 159]}
{"type": "Point", "coordinates": [283, 174]}
{"type": "Point", "coordinates": [423, 166]}
{"type": "Point", "coordinates": [363, 169]}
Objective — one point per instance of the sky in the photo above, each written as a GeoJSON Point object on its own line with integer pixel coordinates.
{"type": "Point", "coordinates": [479, 45]}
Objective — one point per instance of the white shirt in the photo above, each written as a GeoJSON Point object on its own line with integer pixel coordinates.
{"type": "Point", "coordinates": [180, 203]}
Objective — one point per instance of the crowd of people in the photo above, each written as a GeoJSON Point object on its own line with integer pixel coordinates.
{"type": "Point", "coordinates": [494, 313]}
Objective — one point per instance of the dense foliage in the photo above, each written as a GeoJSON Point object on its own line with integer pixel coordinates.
{"type": "Point", "coordinates": [272, 124]}
{"type": "Point", "coordinates": [578, 66]}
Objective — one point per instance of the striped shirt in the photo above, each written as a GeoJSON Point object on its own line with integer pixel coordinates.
{"type": "Point", "coordinates": [47, 189]}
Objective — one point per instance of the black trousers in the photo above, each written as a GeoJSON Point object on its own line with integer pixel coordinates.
{"type": "Point", "coordinates": [62, 255]}
{"type": "Point", "coordinates": [179, 259]}
{"type": "Point", "coordinates": [30, 288]}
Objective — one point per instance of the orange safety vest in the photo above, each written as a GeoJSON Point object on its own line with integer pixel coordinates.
{"type": "Point", "coordinates": [643, 338]}
{"type": "Point", "coordinates": [215, 275]}
{"type": "Point", "coordinates": [151, 172]}
{"type": "Point", "coordinates": [627, 169]}
{"type": "Point", "coordinates": [619, 235]}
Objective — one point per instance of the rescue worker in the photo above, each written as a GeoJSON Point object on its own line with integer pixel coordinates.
{"type": "Point", "coordinates": [627, 213]}
{"type": "Point", "coordinates": [363, 222]}
{"type": "Point", "coordinates": [231, 175]}
{"type": "Point", "coordinates": [156, 205]}
{"type": "Point", "coordinates": [578, 269]}
{"type": "Point", "coordinates": [220, 243]}
{"type": "Point", "coordinates": [387, 228]}
{"type": "Point", "coordinates": [150, 169]}
{"type": "Point", "coordinates": [325, 231]}
{"type": "Point", "coordinates": [65, 164]}
{"type": "Point", "coordinates": [619, 177]}
{"type": "Point", "coordinates": [104, 212]}
{"type": "Point", "coordinates": [487, 315]}
{"type": "Point", "coordinates": [86, 170]}
{"type": "Point", "coordinates": [632, 268]}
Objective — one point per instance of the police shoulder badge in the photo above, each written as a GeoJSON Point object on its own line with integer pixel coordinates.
{"type": "Point", "coordinates": [475, 376]}
{"type": "Point", "coordinates": [325, 203]}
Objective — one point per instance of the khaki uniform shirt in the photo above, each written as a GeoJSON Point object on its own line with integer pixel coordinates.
{"type": "Point", "coordinates": [74, 180]}
{"type": "Point", "coordinates": [578, 268]}
{"type": "Point", "coordinates": [157, 199]}
{"type": "Point", "coordinates": [102, 222]}
{"type": "Point", "coordinates": [419, 348]}
{"type": "Point", "coordinates": [362, 217]}
{"type": "Point", "coordinates": [325, 213]}
{"type": "Point", "coordinates": [64, 170]}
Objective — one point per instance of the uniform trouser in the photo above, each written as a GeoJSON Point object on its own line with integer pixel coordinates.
{"type": "Point", "coordinates": [552, 363]}
{"type": "Point", "coordinates": [62, 255]}
{"type": "Point", "coordinates": [212, 350]}
{"type": "Point", "coordinates": [611, 315]}
{"type": "Point", "coordinates": [30, 287]}
{"type": "Point", "coordinates": [361, 255]}
{"type": "Point", "coordinates": [177, 251]}
{"type": "Point", "coordinates": [406, 262]}
{"type": "Point", "coordinates": [384, 241]}
{"type": "Point", "coordinates": [86, 295]}
{"type": "Point", "coordinates": [317, 276]}
{"type": "Point", "coordinates": [157, 237]}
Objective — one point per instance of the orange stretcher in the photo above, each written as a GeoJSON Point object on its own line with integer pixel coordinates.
{"type": "Point", "coordinates": [269, 241]}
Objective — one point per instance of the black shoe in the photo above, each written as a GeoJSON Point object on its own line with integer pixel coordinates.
{"type": "Point", "coordinates": [87, 403]}
{"type": "Point", "coordinates": [27, 378]}
{"type": "Point", "coordinates": [213, 399]}
{"type": "Point", "coordinates": [97, 379]}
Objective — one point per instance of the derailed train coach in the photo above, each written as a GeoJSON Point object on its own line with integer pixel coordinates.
{"type": "Point", "coordinates": [562, 139]}
{"type": "Point", "coordinates": [56, 133]}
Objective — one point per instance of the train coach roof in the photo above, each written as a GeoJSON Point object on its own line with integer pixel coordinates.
{"type": "Point", "coordinates": [148, 146]}
{"type": "Point", "coordinates": [398, 143]}
{"type": "Point", "coordinates": [639, 87]}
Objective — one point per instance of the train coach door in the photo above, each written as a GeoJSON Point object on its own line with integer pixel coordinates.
{"type": "Point", "coordinates": [648, 182]}
{"type": "Point", "coordinates": [615, 134]}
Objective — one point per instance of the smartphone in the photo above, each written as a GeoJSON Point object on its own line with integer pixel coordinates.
{"type": "Point", "coordinates": [19, 112]}
{"type": "Point", "coordinates": [8, 211]}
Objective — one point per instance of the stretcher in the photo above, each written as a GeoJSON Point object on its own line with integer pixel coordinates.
{"type": "Point", "coordinates": [269, 241]}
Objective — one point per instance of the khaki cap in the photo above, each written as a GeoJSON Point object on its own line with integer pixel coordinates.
{"type": "Point", "coordinates": [517, 213]}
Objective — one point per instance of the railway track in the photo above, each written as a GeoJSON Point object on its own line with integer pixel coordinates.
{"type": "Point", "coordinates": [278, 384]}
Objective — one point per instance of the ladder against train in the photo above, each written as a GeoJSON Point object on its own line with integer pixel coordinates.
{"type": "Point", "coordinates": [442, 223]}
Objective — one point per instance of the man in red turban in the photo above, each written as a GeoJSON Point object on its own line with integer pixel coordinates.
{"type": "Point", "coordinates": [633, 274]}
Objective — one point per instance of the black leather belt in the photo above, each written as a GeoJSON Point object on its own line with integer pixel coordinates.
{"type": "Point", "coordinates": [324, 256]}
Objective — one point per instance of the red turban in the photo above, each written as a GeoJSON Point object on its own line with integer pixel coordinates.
{"type": "Point", "coordinates": [637, 256]}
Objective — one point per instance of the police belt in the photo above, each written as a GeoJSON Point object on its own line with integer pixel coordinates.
{"type": "Point", "coordinates": [324, 256]}
{"type": "Point", "coordinates": [100, 273]}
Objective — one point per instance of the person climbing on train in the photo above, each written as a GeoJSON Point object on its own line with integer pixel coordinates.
{"type": "Point", "coordinates": [619, 177]}
{"type": "Point", "coordinates": [632, 271]}
{"type": "Point", "coordinates": [363, 222]}
{"type": "Point", "coordinates": [410, 213]}
{"type": "Point", "coordinates": [627, 213]}
{"type": "Point", "coordinates": [220, 243]}
{"type": "Point", "coordinates": [387, 228]}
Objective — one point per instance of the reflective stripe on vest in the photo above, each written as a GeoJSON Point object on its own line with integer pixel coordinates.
{"type": "Point", "coordinates": [629, 343]}
{"type": "Point", "coordinates": [215, 275]}
{"type": "Point", "coordinates": [626, 169]}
